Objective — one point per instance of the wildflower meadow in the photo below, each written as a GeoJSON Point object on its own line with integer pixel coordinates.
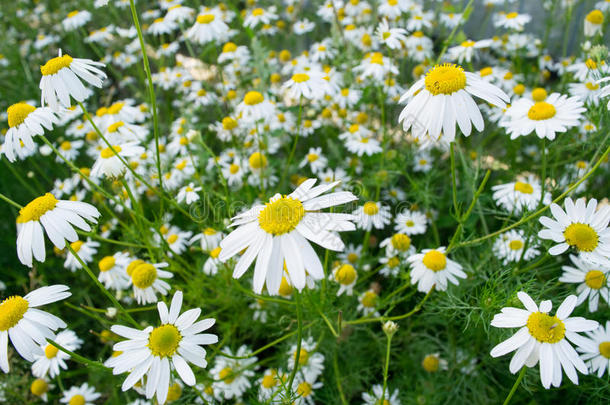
{"type": "Point", "coordinates": [299, 202]}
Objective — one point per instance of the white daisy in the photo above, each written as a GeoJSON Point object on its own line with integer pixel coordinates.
{"type": "Point", "coordinates": [391, 37]}
{"type": "Point", "coordinates": [513, 20]}
{"type": "Point", "coordinates": [411, 222]}
{"type": "Point", "coordinates": [54, 359]}
{"type": "Point", "coordinates": [25, 121]}
{"type": "Point", "coordinates": [521, 195]}
{"type": "Point", "coordinates": [279, 231]}
{"type": "Point", "coordinates": [108, 162]}
{"type": "Point", "coordinates": [311, 362]}
{"type": "Point", "coordinates": [316, 161]}
{"type": "Point", "coordinates": [113, 271]}
{"type": "Point", "coordinates": [345, 275]}
{"type": "Point", "coordinates": [308, 85]}
{"type": "Point", "coordinates": [61, 78]}
{"type": "Point", "coordinates": [254, 107]}
{"type": "Point", "coordinates": [83, 395]}
{"type": "Point", "coordinates": [443, 97]}
{"type": "Point", "coordinates": [510, 245]}
{"type": "Point", "coordinates": [27, 326]}
{"type": "Point", "coordinates": [592, 281]}
{"type": "Point", "coordinates": [372, 215]}
{"type": "Point", "coordinates": [594, 22]}
{"type": "Point", "coordinates": [378, 397]}
{"type": "Point", "coordinates": [543, 338]}
{"type": "Point", "coordinates": [84, 249]}
{"type": "Point", "coordinates": [595, 350]}
{"type": "Point", "coordinates": [208, 27]}
{"type": "Point", "coordinates": [232, 375]}
{"type": "Point", "coordinates": [432, 268]}
{"type": "Point", "coordinates": [146, 280]}
{"type": "Point", "coordinates": [367, 303]}
{"type": "Point", "coordinates": [76, 19]}
{"type": "Point", "coordinates": [580, 226]}
{"type": "Point", "coordinates": [398, 244]}
{"type": "Point", "coordinates": [189, 194]}
{"type": "Point", "coordinates": [58, 218]}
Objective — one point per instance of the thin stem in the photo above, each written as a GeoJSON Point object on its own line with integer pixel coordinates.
{"type": "Point", "coordinates": [78, 358]}
{"type": "Point", "coordinates": [456, 208]}
{"type": "Point", "coordinates": [417, 308]}
{"type": "Point", "coordinates": [297, 355]}
{"type": "Point", "coordinates": [465, 12]}
{"type": "Point", "coordinates": [515, 386]}
{"type": "Point", "coordinates": [386, 368]}
{"type": "Point", "coordinates": [11, 202]}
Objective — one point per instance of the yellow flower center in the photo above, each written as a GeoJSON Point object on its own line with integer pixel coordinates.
{"type": "Point", "coordinates": [233, 168]}
{"type": "Point", "coordinates": [595, 279]}
{"type": "Point", "coordinates": [55, 65]}
{"type": "Point", "coordinates": [205, 18]}
{"type": "Point", "coordinates": [386, 35]}
{"type": "Point", "coordinates": [144, 275]}
{"type": "Point", "coordinates": [285, 288]}
{"type": "Point", "coordinates": [592, 86]}
{"type": "Point", "coordinates": [39, 387]}
{"type": "Point", "coordinates": [582, 236]}
{"type": "Point", "coordinates": [392, 2]}
{"type": "Point", "coordinates": [545, 328]}
{"type": "Point", "coordinates": [352, 257]}
{"type": "Point", "coordinates": [281, 216]}
{"type": "Point", "coordinates": [226, 375]}
{"type": "Point", "coordinates": [269, 381]}
{"type": "Point", "coordinates": [591, 64]}
{"type": "Point", "coordinates": [524, 188]}
{"type": "Point", "coordinates": [107, 263]}
{"type": "Point", "coordinates": [303, 356]}
{"type": "Point", "coordinates": [604, 349]}
{"type": "Point", "coordinates": [346, 274]}
{"type": "Point", "coordinates": [369, 300]}
{"type": "Point", "coordinates": [172, 239]}
{"type": "Point", "coordinates": [304, 389]}
{"type": "Point", "coordinates": [541, 111]}
{"type": "Point", "coordinates": [486, 71]}
{"type": "Point", "coordinates": [370, 208]}
{"type": "Point", "coordinates": [73, 13]}
{"type": "Point", "coordinates": [512, 15]}
{"type": "Point", "coordinates": [257, 161]}
{"type": "Point", "coordinates": [77, 399]}
{"type": "Point", "coordinates": [300, 77]}
{"type": "Point", "coordinates": [253, 98]}
{"type": "Point", "coordinates": [445, 79]}
{"type": "Point", "coordinates": [174, 393]}
{"type": "Point", "coordinates": [435, 260]}
{"type": "Point", "coordinates": [12, 310]}
{"type": "Point", "coordinates": [65, 145]}
{"type": "Point", "coordinates": [115, 127]}
{"type": "Point", "coordinates": [377, 58]}
{"type": "Point", "coordinates": [210, 231]}
{"type": "Point", "coordinates": [393, 262]}
{"type": "Point", "coordinates": [595, 17]}
{"type": "Point", "coordinates": [515, 244]}
{"type": "Point", "coordinates": [17, 113]}
{"type": "Point", "coordinates": [539, 94]}
{"type": "Point", "coordinates": [401, 242]}
{"type": "Point", "coordinates": [258, 12]}
{"type": "Point", "coordinates": [431, 363]}
{"type": "Point", "coordinates": [312, 157]}
{"type": "Point", "coordinates": [76, 245]}
{"type": "Point", "coordinates": [215, 252]}
{"type": "Point", "coordinates": [468, 44]}
{"type": "Point", "coordinates": [50, 351]}
{"type": "Point", "coordinates": [108, 153]}
{"type": "Point", "coordinates": [409, 223]}
{"type": "Point", "coordinates": [229, 47]}
{"type": "Point", "coordinates": [519, 89]}
{"type": "Point", "coordinates": [164, 340]}
{"type": "Point", "coordinates": [37, 208]}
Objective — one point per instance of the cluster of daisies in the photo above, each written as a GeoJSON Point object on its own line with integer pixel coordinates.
{"type": "Point", "coordinates": [196, 149]}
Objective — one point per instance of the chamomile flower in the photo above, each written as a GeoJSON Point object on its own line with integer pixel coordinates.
{"type": "Point", "coordinates": [209, 238]}
{"type": "Point", "coordinates": [372, 215]}
{"type": "Point", "coordinates": [378, 397]}
{"type": "Point", "coordinates": [443, 98]}
{"type": "Point", "coordinates": [589, 93]}
{"type": "Point", "coordinates": [254, 107]}
{"type": "Point", "coordinates": [391, 265]}
{"type": "Point", "coordinates": [279, 231]}
{"type": "Point", "coordinates": [85, 251]}
{"type": "Point", "coordinates": [554, 114]}
{"type": "Point", "coordinates": [592, 281]}
{"type": "Point", "coordinates": [108, 162]}
{"type": "Point", "coordinates": [509, 247]}
{"type": "Point", "coordinates": [391, 37]}
{"type": "Point", "coordinates": [25, 121]}
{"type": "Point", "coordinates": [595, 350]}
{"type": "Point", "coordinates": [583, 227]}
{"type": "Point", "coordinates": [398, 244]}
{"type": "Point", "coordinates": [432, 268]}
{"type": "Point", "coordinates": [376, 67]}
{"type": "Point", "coordinates": [113, 271]}
{"type": "Point", "coordinates": [260, 16]}
{"type": "Point", "coordinates": [146, 279]}
{"type": "Point", "coordinates": [305, 389]}
{"type": "Point", "coordinates": [61, 79]}
{"type": "Point", "coordinates": [58, 218]}
{"type": "Point", "coordinates": [189, 194]}
{"type": "Point", "coordinates": [543, 338]}
{"type": "Point", "coordinates": [308, 85]}
{"type": "Point", "coordinates": [208, 27]}
{"type": "Point", "coordinates": [346, 275]}
{"type": "Point", "coordinates": [54, 359]}
{"type": "Point", "coordinates": [27, 326]}
{"type": "Point", "coordinates": [594, 22]}
{"type": "Point", "coordinates": [367, 302]}
{"type": "Point", "coordinates": [81, 395]}
{"type": "Point", "coordinates": [232, 376]}
{"type": "Point", "coordinates": [311, 362]}
{"type": "Point", "coordinates": [411, 222]}
{"type": "Point", "coordinates": [40, 388]}
{"type": "Point", "coordinates": [512, 21]}
{"type": "Point", "coordinates": [316, 161]}
{"type": "Point", "coordinates": [433, 362]}
{"type": "Point", "coordinates": [76, 19]}
{"type": "Point", "coordinates": [155, 352]}
{"type": "Point", "coordinates": [521, 195]}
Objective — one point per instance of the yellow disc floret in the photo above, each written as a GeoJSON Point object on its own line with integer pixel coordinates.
{"type": "Point", "coordinates": [17, 113]}
{"type": "Point", "coordinates": [515, 244]}
{"type": "Point", "coordinates": [50, 351]}
{"type": "Point", "coordinates": [541, 111]}
{"type": "Point", "coordinates": [370, 208]}
{"type": "Point", "coordinates": [205, 18]}
{"type": "Point", "coordinates": [595, 279]}
{"type": "Point", "coordinates": [253, 98]}
{"type": "Point", "coordinates": [108, 152]}
{"type": "Point", "coordinates": [545, 328]}
{"type": "Point", "coordinates": [581, 236]}
{"type": "Point", "coordinates": [281, 216]}
{"type": "Point", "coordinates": [346, 274]}
{"type": "Point", "coordinates": [435, 260]}
{"type": "Point", "coordinates": [37, 208]}
{"type": "Point", "coordinates": [39, 387]}
{"type": "Point", "coordinates": [300, 77]}
{"type": "Point", "coordinates": [445, 79]}
{"type": "Point", "coordinates": [107, 263]}
{"type": "Point", "coordinates": [12, 310]}
{"type": "Point", "coordinates": [55, 65]}
{"type": "Point", "coordinates": [144, 275]}
{"type": "Point", "coordinates": [524, 188]}
{"type": "Point", "coordinates": [401, 242]}
{"type": "Point", "coordinates": [164, 340]}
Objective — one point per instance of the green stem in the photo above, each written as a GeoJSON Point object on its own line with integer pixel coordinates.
{"type": "Point", "coordinates": [447, 42]}
{"type": "Point", "coordinates": [11, 202]}
{"type": "Point", "coordinates": [386, 368]}
{"type": "Point", "coordinates": [78, 358]}
{"type": "Point", "coordinates": [515, 386]}
{"type": "Point", "coordinates": [456, 208]}
{"type": "Point", "coordinates": [393, 318]}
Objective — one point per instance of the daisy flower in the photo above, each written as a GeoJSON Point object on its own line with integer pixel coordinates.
{"type": "Point", "coordinates": [594, 22]}
{"type": "Point", "coordinates": [372, 215]}
{"type": "Point", "coordinates": [25, 121]}
{"type": "Point", "coordinates": [595, 350]}
{"type": "Point", "coordinates": [512, 21]}
{"type": "Point", "coordinates": [147, 280]}
{"type": "Point", "coordinates": [27, 326]}
{"type": "Point", "coordinates": [411, 222]}
{"type": "Point", "coordinates": [280, 231]}
{"type": "Point", "coordinates": [54, 359]}
{"type": "Point", "coordinates": [589, 92]}
{"type": "Point", "coordinates": [391, 266]}
{"type": "Point", "coordinates": [113, 271]}
{"type": "Point", "coordinates": [311, 363]}
{"type": "Point", "coordinates": [232, 375]}
{"type": "Point", "coordinates": [155, 352]}
{"type": "Point", "coordinates": [391, 37]}
{"type": "Point", "coordinates": [40, 387]}
{"type": "Point", "coordinates": [209, 238]}
{"type": "Point", "coordinates": [433, 363]}
{"type": "Point", "coordinates": [580, 226]}
{"type": "Point", "coordinates": [557, 113]}
{"type": "Point", "coordinates": [308, 85]}
{"type": "Point", "coordinates": [254, 107]}
{"type": "Point", "coordinates": [208, 27]}
{"type": "Point", "coordinates": [543, 338]}
{"type": "Point", "coordinates": [367, 302]}
{"type": "Point", "coordinates": [376, 66]}
{"type": "Point", "coordinates": [592, 281]}
{"type": "Point", "coordinates": [316, 161]}
{"type": "Point", "coordinates": [510, 245]}
{"type": "Point", "coordinates": [397, 244]}
{"type": "Point", "coordinates": [76, 19]}
{"type": "Point", "coordinates": [346, 275]}
{"type": "Point", "coordinates": [260, 16]}
{"type": "Point", "coordinates": [58, 218]}
{"type": "Point", "coordinates": [378, 397]}
{"type": "Point", "coordinates": [61, 78]}
{"type": "Point", "coordinates": [108, 162]}
{"type": "Point", "coordinates": [83, 395]}
{"type": "Point", "coordinates": [443, 97]}
{"type": "Point", "coordinates": [189, 194]}
{"type": "Point", "coordinates": [465, 51]}
{"type": "Point", "coordinates": [85, 250]}
{"type": "Point", "coordinates": [432, 268]}
{"type": "Point", "coordinates": [521, 195]}
{"type": "Point", "coordinates": [305, 389]}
